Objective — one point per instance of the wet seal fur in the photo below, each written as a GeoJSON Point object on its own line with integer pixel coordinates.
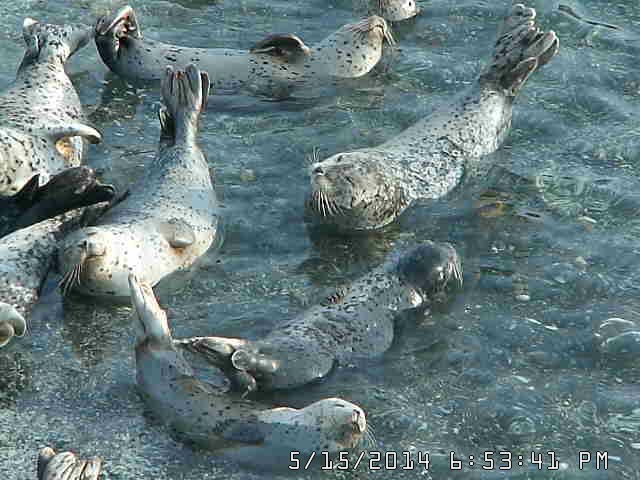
{"type": "Point", "coordinates": [42, 125]}
{"type": "Point", "coordinates": [169, 219]}
{"type": "Point", "coordinates": [66, 466]}
{"type": "Point", "coordinates": [212, 418]}
{"type": "Point", "coordinates": [356, 322]}
{"type": "Point", "coordinates": [369, 188]}
{"type": "Point", "coordinates": [72, 188]}
{"type": "Point", "coordinates": [396, 10]}
{"type": "Point", "coordinates": [271, 67]}
{"type": "Point", "coordinates": [27, 256]}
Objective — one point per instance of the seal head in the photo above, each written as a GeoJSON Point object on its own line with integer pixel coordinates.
{"type": "Point", "coordinates": [397, 10]}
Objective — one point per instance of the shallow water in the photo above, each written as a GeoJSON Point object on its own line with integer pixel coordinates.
{"type": "Point", "coordinates": [548, 239]}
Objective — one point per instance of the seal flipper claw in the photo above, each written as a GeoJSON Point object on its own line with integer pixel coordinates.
{"type": "Point", "coordinates": [285, 45]}
{"type": "Point", "coordinates": [75, 130]}
{"type": "Point", "coordinates": [520, 50]}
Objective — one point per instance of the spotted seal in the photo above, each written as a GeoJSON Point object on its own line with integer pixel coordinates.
{"type": "Point", "coordinates": [397, 10]}
{"type": "Point", "coordinates": [369, 188]}
{"type": "Point", "coordinates": [212, 418]}
{"type": "Point", "coordinates": [26, 256]}
{"type": "Point", "coordinates": [66, 466]}
{"type": "Point", "coordinates": [41, 119]}
{"type": "Point", "coordinates": [72, 188]}
{"type": "Point", "coordinates": [169, 219]}
{"type": "Point", "coordinates": [356, 322]}
{"type": "Point", "coordinates": [273, 65]}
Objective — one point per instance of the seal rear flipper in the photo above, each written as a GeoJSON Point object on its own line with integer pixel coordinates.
{"type": "Point", "coordinates": [286, 45]}
{"type": "Point", "coordinates": [521, 48]}
{"type": "Point", "coordinates": [178, 233]}
{"type": "Point", "coordinates": [25, 197]}
{"type": "Point", "coordinates": [66, 466]}
{"type": "Point", "coordinates": [74, 130]}
{"type": "Point", "coordinates": [215, 350]}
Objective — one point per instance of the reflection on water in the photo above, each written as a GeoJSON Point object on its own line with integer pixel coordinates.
{"type": "Point", "coordinates": [539, 352]}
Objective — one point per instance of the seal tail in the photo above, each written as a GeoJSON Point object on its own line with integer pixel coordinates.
{"type": "Point", "coordinates": [520, 50]}
{"type": "Point", "coordinates": [185, 95]}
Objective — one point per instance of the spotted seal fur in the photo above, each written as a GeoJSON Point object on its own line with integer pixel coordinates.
{"type": "Point", "coordinates": [397, 10]}
{"type": "Point", "coordinates": [169, 219]}
{"type": "Point", "coordinates": [369, 188]}
{"type": "Point", "coordinates": [66, 466]}
{"type": "Point", "coordinates": [356, 322]}
{"type": "Point", "coordinates": [213, 418]}
{"type": "Point", "coordinates": [273, 65]}
{"type": "Point", "coordinates": [41, 119]}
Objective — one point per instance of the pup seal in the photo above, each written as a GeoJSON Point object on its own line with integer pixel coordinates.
{"type": "Point", "coordinates": [41, 119]}
{"type": "Point", "coordinates": [357, 322]}
{"type": "Point", "coordinates": [369, 188]}
{"type": "Point", "coordinates": [273, 65]}
{"type": "Point", "coordinates": [72, 188]}
{"type": "Point", "coordinates": [67, 466]}
{"type": "Point", "coordinates": [214, 419]}
{"type": "Point", "coordinates": [170, 217]}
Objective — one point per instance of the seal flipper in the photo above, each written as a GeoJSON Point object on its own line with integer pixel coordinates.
{"type": "Point", "coordinates": [66, 465]}
{"type": "Point", "coordinates": [12, 324]}
{"type": "Point", "coordinates": [74, 130]}
{"type": "Point", "coordinates": [178, 233]}
{"type": "Point", "coordinates": [521, 48]}
{"type": "Point", "coordinates": [25, 197]}
{"type": "Point", "coordinates": [44, 457]}
{"type": "Point", "coordinates": [285, 45]}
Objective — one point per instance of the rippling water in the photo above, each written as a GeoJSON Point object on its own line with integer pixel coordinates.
{"type": "Point", "coordinates": [548, 238]}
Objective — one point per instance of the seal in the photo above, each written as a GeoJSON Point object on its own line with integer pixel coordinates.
{"type": "Point", "coordinates": [369, 188]}
{"type": "Point", "coordinates": [397, 10]}
{"type": "Point", "coordinates": [355, 323]}
{"type": "Point", "coordinates": [72, 188]}
{"type": "Point", "coordinates": [169, 219]}
{"type": "Point", "coordinates": [212, 418]}
{"type": "Point", "coordinates": [272, 66]}
{"type": "Point", "coordinates": [41, 119]}
{"type": "Point", "coordinates": [67, 466]}
{"type": "Point", "coordinates": [27, 255]}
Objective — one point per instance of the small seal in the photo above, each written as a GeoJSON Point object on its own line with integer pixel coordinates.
{"type": "Point", "coordinates": [169, 219]}
{"type": "Point", "coordinates": [67, 466]}
{"type": "Point", "coordinates": [369, 188]}
{"type": "Point", "coordinates": [356, 322]}
{"type": "Point", "coordinates": [397, 10]}
{"type": "Point", "coordinates": [72, 188]}
{"type": "Point", "coordinates": [215, 419]}
{"type": "Point", "coordinates": [41, 119]}
{"type": "Point", "coordinates": [271, 67]}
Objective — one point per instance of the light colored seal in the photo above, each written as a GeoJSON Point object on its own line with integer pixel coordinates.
{"type": "Point", "coordinates": [369, 188]}
{"type": "Point", "coordinates": [26, 256]}
{"type": "Point", "coordinates": [273, 65]}
{"type": "Point", "coordinates": [66, 466]}
{"type": "Point", "coordinates": [41, 119]}
{"type": "Point", "coordinates": [214, 419]}
{"type": "Point", "coordinates": [355, 323]}
{"type": "Point", "coordinates": [169, 219]}
{"type": "Point", "coordinates": [397, 10]}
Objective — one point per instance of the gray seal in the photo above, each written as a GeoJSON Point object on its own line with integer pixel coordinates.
{"type": "Point", "coordinates": [41, 120]}
{"type": "Point", "coordinates": [356, 323]}
{"type": "Point", "coordinates": [272, 66]}
{"type": "Point", "coordinates": [212, 418]}
{"type": "Point", "coordinates": [169, 219]}
{"type": "Point", "coordinates": [369, 188]}
{"type": "Point", "coordinates": [66, 466]}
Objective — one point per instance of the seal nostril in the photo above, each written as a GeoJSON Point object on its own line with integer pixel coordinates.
{"type": "Point", "coordinates": [318, 171]}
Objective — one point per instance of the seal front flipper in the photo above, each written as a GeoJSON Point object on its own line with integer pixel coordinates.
{"type": "Point", "coordinates": [521, 48]}
{"type": "Point", "coordinates": [12, 324]}
{"type": "Point", "coordinates": [178, 233]}
{"type": "Point", "coordinates": [285, 45]}
{"type": "Point", "coordinates": [74, 130]}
